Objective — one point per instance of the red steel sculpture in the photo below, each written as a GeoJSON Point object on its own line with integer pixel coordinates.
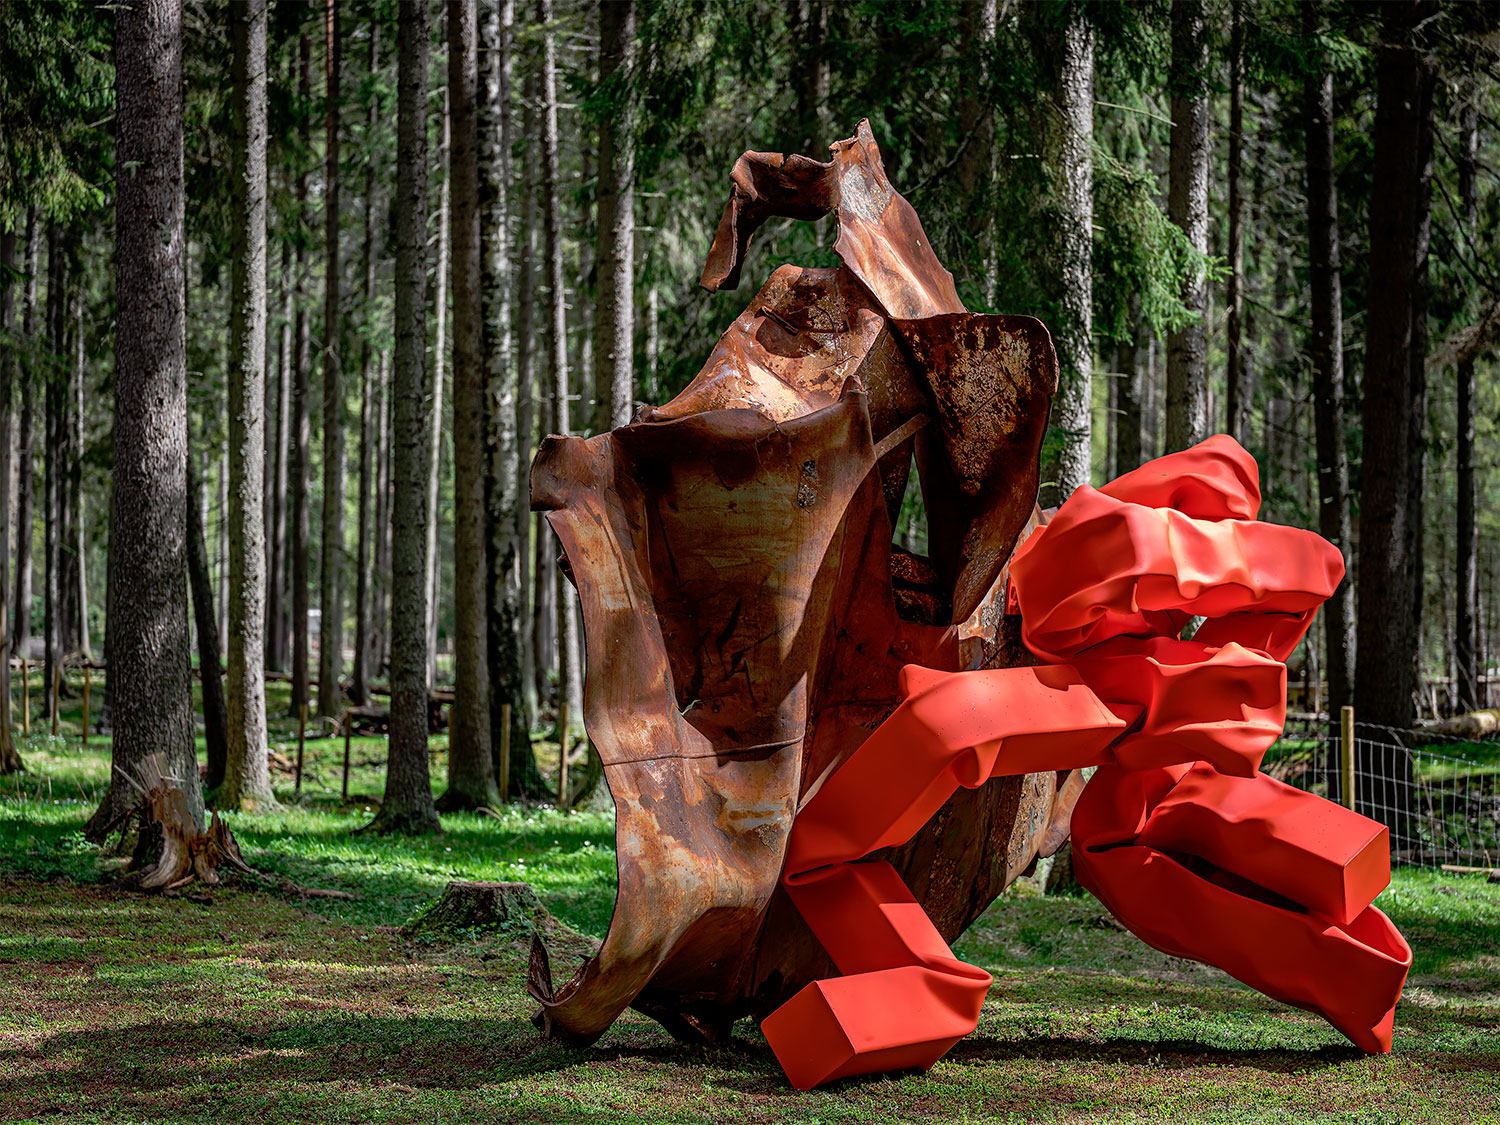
{"type": "Point", "coordinates": [829, 755]}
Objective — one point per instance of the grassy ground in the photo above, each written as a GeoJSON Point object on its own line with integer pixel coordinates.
{"type": "Point", "coordinates": [259, 1006]}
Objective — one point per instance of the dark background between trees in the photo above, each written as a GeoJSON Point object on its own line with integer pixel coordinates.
{"type": "Point", "coordinates": [280, 349]}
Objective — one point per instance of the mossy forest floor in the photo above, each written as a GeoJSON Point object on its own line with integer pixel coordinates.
{"type": "Point", "coordinates": [252, 1004]}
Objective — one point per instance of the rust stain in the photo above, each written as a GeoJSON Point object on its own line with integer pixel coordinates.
{"type": "Point", "coordinates": [746, 614]}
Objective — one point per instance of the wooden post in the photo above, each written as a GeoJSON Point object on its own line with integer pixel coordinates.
{"type": "Point", "coordinates": [348, 734]}
{"type": "Point", "coordinates": [56, 693]}
{"type": "Point", "coordinates": [562, 757]}
{"type": "Point", "coordinates": [25, 697]}
{"type": "Point", "coordinates": [301, 740]}
{"type": "Point", "coordinates": [1346, 755]}
{"type": "Point", "coordinates": [87, 683]}
{"type": "Point", "coordinates": [504, 777]}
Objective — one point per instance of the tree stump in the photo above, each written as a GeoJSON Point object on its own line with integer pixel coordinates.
{"type": "Point", "coordinates": [171, 850]}
{"type": "Point", "coordinates": [468, 905]}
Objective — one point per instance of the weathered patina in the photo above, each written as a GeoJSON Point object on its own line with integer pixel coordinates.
{"type": "Point", "coordinates": [746, 614]}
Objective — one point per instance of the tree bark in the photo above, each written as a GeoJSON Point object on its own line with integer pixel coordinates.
{"type": "Point", "coordinates": [614, 349]}
{"type": "Point", "coordinates": [206, 633]}
{"type": "Point", "coordinates": [471, 769]}
{"type": "Point", "coordinates": [1466, 585]}
{"type": "Point", "coordinates": [1069, 136]}
{"type": "Point", "coordinates": [277, 616]}
{"type": "Point", "coordinates": [535, 568]}
{"type": "Point", "coordinates": [247, 777]}
{"type": "Point", "coordinates": [26, 439]}
{"type": "Point", "coordinates": [808, 22]}
{"type": "Point", "coordinates": [975, 168]}
{"type": "Point", "coordinates": [1187, 206]}
{"type": "Point", "coordinates": [331, 567]}
{"type": "Point", "coordinates": [52, 455]}
{"type": "Point", "coordinates": [408, 806]}
{"type": "Point", "coordinates": [1131, 391]}
{"type": "Point", "coordinates": [301, 437]}
{"type": "Point", "coordinates": [359, 689]}
{"type": "Point", "coordinates": [153, 700]}
{"type": "Point", "coordinates": [1394, 347]}
{"type": "Point", "coordinates": [569, 680]}
{"type": "Point", "coordinates": [508, 513]}
{"type": "Point", "coordinates": [77, 573]}
{"type": "Point", "coordinates": [439, 369]}
{"type": "Point", "coordinates": [381, 549]}
{"type": "Point", "coordinates": [1326, 350]}
{"type": "Point", "coordinates": [10, 757]}
{"type": "Point", "coordinates": [1236, 402]}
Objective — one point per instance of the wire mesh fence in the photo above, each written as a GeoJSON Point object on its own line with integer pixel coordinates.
{"type": "Point", "coordinates": [1439, 796]}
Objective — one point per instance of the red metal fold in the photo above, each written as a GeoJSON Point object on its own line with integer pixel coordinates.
{"type": "Point", "coordinates": [1177, 833]}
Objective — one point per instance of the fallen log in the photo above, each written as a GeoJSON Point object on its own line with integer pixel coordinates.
{"type": "Point", "coordinates": [1474, 724]}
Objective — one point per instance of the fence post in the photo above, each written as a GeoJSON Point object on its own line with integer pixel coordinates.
{"type": "Point", "coordinates": [1346, 755]}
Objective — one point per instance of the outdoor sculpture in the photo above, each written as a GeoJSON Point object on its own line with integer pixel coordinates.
{"type": "Point", "coordinates": [776, 691]}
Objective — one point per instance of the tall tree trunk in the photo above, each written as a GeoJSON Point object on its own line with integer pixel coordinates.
{"type": "Point", "coordinates": [439, 368]}
{"type": "Point", "coordinates": [301, 437]}
{"type": "Point", "coordinates": [277, 614]}
{"type": "Point", "coordinates": [78, 585]}
{"type": "Point", "coordinates": [247, 778]}
{"type": "Point", "coordinates": [153, 698]}
{"type": "Point", "coordinates": [380, 633]}
{"type": "Point", "coordinates": [808, 23]}
{"type": "Point", "coordinates": [359, 680]}
{"type": "Point", "coordinates": [26, 439]}
{"type": "Point", "coordinates": [614, 349]}
{"type": "Point", "coordinates": [407, 806]}
{"type": "Point", "coordinates": [53, 398]}
{"type": "Point", "coordinates": [1131, 391]}
{"type": "Point", "coordinates": [569, 681]}
{"type": "Point", "coordinates": [507, 512]}
{"type": "Point", "coordinates": [471, 768]}
{"type": "Point", "coordinates": [1394, 349]}
{"type": "Point", "coordinates": [1466, 586]}
{"type": "Point", "coordinates": [1327, 353]}
{"type": "Point", "coordinates": [1237, 406]}
{"type": "Point", "coordinates": [1069, 135]}
{"type": "Point", "coordinates": [1187, 206]}
{"type": "Point", "coordinates": [976, 125]}
{"type": "Point", "coordinates": [331, 593]}
{"type": "Point", "coordinates": [206, 632]}
{"type": "Point", "coordinates": [535, 565]}
{"type": "Point", "coordinates": [10, 757]}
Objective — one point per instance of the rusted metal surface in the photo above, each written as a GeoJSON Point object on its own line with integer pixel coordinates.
{"type": "Point", "coordinates": [746, 615]}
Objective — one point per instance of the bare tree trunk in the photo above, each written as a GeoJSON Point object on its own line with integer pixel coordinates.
{"type": "Point", "coordinates": [331, 592]}
{"type": "Point", "coordinates": [1069, 138]}
{"type": "Point", "coordinates": [277, 616]}
{"type": "Point", "coordinates": [976, 124]}
{"type": "Point", "coordinates": [407, 806]}
{"type": "Point", "coordinates": [153, 699]}
{"type": "Point", "coordinates": [1237, 405]}
{"type": "Point", "coordinates": [380, 610]}
{"type": "Point", "coordinates": [53, 398]}
{"type": "Point", "coordinates": [78, 585]}
{"type": "Point", "coordinates": [471, 768]}
{"type": "Point", "coordinates": [534, 567]}
{"type": "Point", "coordinates": [26, 440]}
{"type": "Point", "coordinates": [359, 689]}
{"type": "Point", "coordinates": [569, 681]}
{"type": "Point", "coordinates": [808, 23]}
{"type": "Point", "coordinates": [1131, 391]}
{"type": "Point", "coordinates": [1187, 206]}
{"type": "Point", "coordinates": [439, 367]}
{"type": "Point", "coordinates": [10, 758]}
{"type": "Point", "coordinates": [507, 514]}
{"type": "Point", "coordinates": [1466, 585]}
{"type": "Point", "coordinates": [247, 778]}
{"type": "Point", "coordinates": [614, 349]}
{"type": "Point", "coordinates": [206, 633]}
{"type": "Point", "coordinates": [1394, 349]}
{"type": "Point", "coordinates": [301, 436]}
{"type": "Point", "coordinates": [1327, 354]}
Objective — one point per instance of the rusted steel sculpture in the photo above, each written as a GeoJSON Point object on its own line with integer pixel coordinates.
{"type": "Point", "coordinates": [746, 616]}
{"type": "Point", "coordinates": [818, 742]}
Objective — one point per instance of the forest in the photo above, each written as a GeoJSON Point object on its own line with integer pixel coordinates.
{"type": "Point", "coordinates": [293, 291]}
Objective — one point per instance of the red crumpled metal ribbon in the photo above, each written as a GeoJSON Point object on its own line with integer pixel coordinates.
{"type": "Point", "coordinates": [1177, 833]}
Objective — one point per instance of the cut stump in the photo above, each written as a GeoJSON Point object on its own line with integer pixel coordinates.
{"type": "Point", "coordinates": [470, 905]}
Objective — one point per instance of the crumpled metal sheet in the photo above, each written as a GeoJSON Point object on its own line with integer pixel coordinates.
{"type": "Point", "coordinates": [732, 552]}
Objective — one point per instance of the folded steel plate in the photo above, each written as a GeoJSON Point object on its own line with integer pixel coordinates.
{"type": "Point", "coordinates": [746, 615]}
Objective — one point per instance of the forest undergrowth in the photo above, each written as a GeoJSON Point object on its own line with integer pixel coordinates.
{"type": "Point", "coordinates": [250, 1002]}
